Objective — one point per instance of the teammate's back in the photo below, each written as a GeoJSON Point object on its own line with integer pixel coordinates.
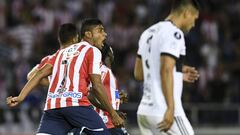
{"type": "Point", "coordinates": [70, 77]}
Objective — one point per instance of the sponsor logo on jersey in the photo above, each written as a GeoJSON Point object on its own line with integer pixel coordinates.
{"type": "Point", "coordinates": [177, 35]}
{"type": "Point", "coordinates": [65, 95]}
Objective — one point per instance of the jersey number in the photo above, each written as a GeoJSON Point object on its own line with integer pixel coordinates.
{"type": "Point", "coordinates": [149, 50]}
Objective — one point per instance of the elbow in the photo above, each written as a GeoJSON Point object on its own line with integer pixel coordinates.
{"type": "Point", "coordinates": [96, 87]}
{"type": "Point", "coordinates": [29, 76]}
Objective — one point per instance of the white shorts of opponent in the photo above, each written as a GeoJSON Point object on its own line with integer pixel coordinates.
{"type": "Point", "coordinates": [149, 126]}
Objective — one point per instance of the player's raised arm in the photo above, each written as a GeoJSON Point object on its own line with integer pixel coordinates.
{"type": "Point", "coordinates": [32, 83]}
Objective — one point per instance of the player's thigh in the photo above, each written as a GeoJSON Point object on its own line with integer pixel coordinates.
{"type": "Point", "coordinates": [85, 118]}
{"type": "Point", "coordinates": [144, 125]}
{"type": "Point", "coordinates": [181, 126]}
{"type": "Point", "coordinates": [149, 125]}
{"type": "Point", "coordinates": [52, 123]}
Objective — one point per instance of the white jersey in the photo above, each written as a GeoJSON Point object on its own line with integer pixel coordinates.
{"type": "Point", "coordinates": [163, 38]}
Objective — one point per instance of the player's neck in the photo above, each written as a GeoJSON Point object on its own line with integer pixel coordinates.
{"type": "Point", "coordinates": [66, 45]}
{"type": "Point", "coordinates": [88, 40]}
{"type": "Point", "coordinates": [175, 19]}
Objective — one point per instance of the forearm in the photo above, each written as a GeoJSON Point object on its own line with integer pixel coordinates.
{"type": "Point", "coordinates": [167, 87]}
{"type": "Point", "coordinates": [43, 82]}
{"type": "Point", "coordinates": [32, 83]}
{"type": "Point", "coordinates": [95, 102]}
{"type": "Point", "coordinates": [101, 95]}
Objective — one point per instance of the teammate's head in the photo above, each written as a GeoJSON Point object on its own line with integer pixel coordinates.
{"type": "Point", "coordinates": [92, 30]}
{"type": "Point", "coordinates": [188, 11]}
{"type": "Point", "coordinates": [68, 34]}
{"type": "Point", "coordinates": [107, 55]}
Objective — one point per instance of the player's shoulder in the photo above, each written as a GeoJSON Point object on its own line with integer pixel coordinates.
{"type": "Point", "coordinates": [171, 30]}
{"type": "Point", "coordinates": [104, 68]}
{"type": "Point", "coordinates": [88, 45]}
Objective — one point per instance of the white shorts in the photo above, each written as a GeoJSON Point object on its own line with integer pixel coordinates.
{"type": "Point", "coordinates": [148, 126]}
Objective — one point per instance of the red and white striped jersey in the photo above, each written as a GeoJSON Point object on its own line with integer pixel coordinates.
{"type": "Point", "coordinates": [43, 62]}
{"type": "Point", "coordinates": [70, 75]}
{"type": "Point", "coordinates": [110, 83]}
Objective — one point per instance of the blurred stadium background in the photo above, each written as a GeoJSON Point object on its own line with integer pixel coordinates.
{"type": "Point", "coordinates": [28, 32]}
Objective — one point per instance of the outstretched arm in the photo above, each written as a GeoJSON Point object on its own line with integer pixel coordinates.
{"type": "Point", "coordinates": [43, 82]}
{"type": "Point", "coordinates": [32, 83]}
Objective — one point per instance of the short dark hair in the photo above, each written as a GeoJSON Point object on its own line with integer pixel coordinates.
{"type": "Point", "coordinates": [179, 4]}
{"type": "Point", "coordinates": [105, 50]}
{"type": "Point", "coordinates": [88, 24]}
{"type": "Point", "coordinates": [67, 32]}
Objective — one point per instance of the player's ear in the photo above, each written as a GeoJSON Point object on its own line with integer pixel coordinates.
{"type": "Point", "coordinates": [88, 34]}
{"type": "Point", "coordinates": [76, 39]}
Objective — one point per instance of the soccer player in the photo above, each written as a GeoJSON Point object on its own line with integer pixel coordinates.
{"type": "Point", "coordinates": [159, 65]}
{"type": "Point", "coordinates": [72, 69]}
{"type": "Point", "coordinates": [110, 83]}
{"type": "Point", "coordinates": [67, 31]}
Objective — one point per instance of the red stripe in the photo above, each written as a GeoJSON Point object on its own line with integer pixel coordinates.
{"type": "Point", "coordinates": [71, 69]}
{"type": "Point", "coordinates": [71, 75]}
{"type": "Point", "coordinates": [57, 105]}
{"type": "Point", "coordinates": [56, 78]}
{"type": "Point", "coordinates": [90, 55]}
{"type": "Point", "coordinates": [48, 104]}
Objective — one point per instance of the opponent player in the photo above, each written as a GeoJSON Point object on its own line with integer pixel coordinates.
{"type": "Point", "coordinates": [72, 70]}
{"type": "Point", "coordinates": [159, 64]}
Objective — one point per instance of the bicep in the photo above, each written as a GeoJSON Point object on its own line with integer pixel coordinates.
{"type": "Point", "coordinates": [45, 71]}
{"type": "Point", "coordinates": [32, 72]}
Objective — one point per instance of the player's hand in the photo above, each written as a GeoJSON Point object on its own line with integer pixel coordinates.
{"type": "Point", "coordinates": [122, 115]}
{"type": "Point", "coordinates": [123, 97]}
{"type": "Point", "coordinates": [117, 120]}
{"type": "Point", "coordinates": [167, 122]}
{"type": "Point", "coordinates": [13, 101]}
{"type": "Point", "coordinates": [190, 74]}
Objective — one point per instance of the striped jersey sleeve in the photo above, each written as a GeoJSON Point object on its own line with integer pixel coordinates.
{"type": "Point", "coordinates": [94, 60]}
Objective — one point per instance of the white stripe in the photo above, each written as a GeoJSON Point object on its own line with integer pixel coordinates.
{"type": "Point", "coordinates": [113, 89]}
{"type": "Point", "coordinates": [97, 57]}
{"type": "Point", "coordinates": [76, 72]}
{"type": "Point", "coordinates": [60, 78]}
{"type": "Point", "coordinates": [96, 130]}
{"type": "Point", "coordinates": [54, 72]}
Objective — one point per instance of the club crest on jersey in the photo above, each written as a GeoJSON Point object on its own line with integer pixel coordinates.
{"type": "Point", "coordinates": [72, 52]}
{"type": "Point", "coordinates": [177, 35]}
